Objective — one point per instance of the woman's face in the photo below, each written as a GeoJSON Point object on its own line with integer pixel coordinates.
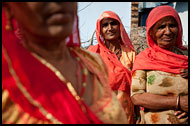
{"type": "Point", "coordinates": [165, 32]}
{"type": "Point", "coordinates": [110, 29]}
{"type": "Point", "coordinates": [45, 19]}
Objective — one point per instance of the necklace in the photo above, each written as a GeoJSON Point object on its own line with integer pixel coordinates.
{"type": "Point", "coordinates": [68, 84]}
{"type": "Point", "coordinates": [118, 53]}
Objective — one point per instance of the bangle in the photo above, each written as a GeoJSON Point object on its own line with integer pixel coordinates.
{"type": "Point", "coordinates": [178, 102]}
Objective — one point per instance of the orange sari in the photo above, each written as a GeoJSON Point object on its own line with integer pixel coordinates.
{"type": "Point", "coordinates": [119, 70]}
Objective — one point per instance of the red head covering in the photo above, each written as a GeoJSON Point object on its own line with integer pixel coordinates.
{"type": "Point", "coordinates": [119, 76]}
{"type": "Point", "coordinates": [156, 58]}
{"type": "Point", "coordinates": [124, 36]}
{"type": "Point", "coordinates": [40, 82]}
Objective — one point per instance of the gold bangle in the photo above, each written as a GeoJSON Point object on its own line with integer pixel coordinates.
{"type": "Point", "coordinates": [177, 103]}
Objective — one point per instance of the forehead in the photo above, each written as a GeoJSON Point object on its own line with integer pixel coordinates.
{"type": "Point", "coordinates": [108, 20]}
{"type": "Point", "coordinates": [166, 19]}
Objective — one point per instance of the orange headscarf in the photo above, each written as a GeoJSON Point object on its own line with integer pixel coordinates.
{"type": "Point", "coordinates": [156, 58]}
{"type": "Point", "coordinates": [119, 76]}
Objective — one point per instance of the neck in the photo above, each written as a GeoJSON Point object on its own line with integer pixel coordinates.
{"type": "Point", "coordinates": [171, 49]}
{"type": "Point", "coordinates": [113, 45]}
{"type": "Point", "coordinates": [51, 49]}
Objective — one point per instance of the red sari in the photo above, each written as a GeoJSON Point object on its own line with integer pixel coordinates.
{"type": "Point", "coordinates": [36, 88]}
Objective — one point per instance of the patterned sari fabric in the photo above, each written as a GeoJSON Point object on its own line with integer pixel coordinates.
{"type": "Point", "coordinates": [119, 69]}
{"type": "Point", "coordinates": [157, 70]}
{"type": "Point", "coordinates": [34, 91]}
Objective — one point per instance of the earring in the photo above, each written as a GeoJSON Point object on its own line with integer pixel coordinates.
{"type": "Point", "coordinates": [9, 26]}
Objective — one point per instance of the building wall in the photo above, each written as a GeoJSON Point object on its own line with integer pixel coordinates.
{"type": "Point", "coordinates": [182, 9]}
{"type": "Point", "coordinates": [138, 34]}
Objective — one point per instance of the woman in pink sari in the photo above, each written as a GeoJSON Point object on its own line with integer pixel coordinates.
{"type": "Point", "coordinates": [46, 76]}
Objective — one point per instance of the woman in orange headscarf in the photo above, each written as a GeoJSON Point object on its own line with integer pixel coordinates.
{"type": "Point", "coordinates": [46, 76]}
{"type": "Point", "coordinates": [117, 51]}
{"type": "Point", "coordinates": [159, 75]}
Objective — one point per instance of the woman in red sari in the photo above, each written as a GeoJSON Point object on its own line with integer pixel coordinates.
{"type": "Point", "coordinates": [159, 75]}
{"type": "Point", "coordinates": [46, 76]}
{"type": "Point", "coordinates": [117, 51]}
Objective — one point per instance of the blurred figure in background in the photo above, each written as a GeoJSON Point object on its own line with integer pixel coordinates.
{"type": "Point", "coordinates": [46, 76]}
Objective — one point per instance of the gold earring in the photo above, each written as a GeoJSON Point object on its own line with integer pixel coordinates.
{"type": "Point", "coordinates": [9, 26]}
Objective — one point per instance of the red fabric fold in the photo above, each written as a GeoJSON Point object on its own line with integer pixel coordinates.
{"type": "Point", "coordinates": [40, 82]}
{"type": "Point", "coordinates": [156, 58]}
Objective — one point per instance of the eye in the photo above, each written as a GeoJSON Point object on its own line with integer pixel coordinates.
{"type": "Point", "coordinates": [114, 23]}
{"type": "Point", "coordinates": [104, 24]}
{"type": "Point", "coordinates": [161, 26]}
{"type": "Point", "coordinates": [173, 25]}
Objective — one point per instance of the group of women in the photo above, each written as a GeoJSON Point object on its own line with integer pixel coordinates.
{"type": "Point", "coordinates": [48, 78]}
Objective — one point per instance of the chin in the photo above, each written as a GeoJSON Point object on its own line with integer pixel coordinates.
{"type": "Point", "coordinates": [59, 31]}
{"type": "Point", "coordinates": [111, 39]}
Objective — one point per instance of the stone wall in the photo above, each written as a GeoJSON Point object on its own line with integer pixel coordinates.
{"type": "Point", "coordinates": [138, 38]}
{"type": "Point", "coordinates": [137, 34]}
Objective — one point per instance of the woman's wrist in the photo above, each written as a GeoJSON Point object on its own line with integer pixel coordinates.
{"type": "Point", "coordinates": [178, 103]}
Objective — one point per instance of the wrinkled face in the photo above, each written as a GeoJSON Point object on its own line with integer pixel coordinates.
{"type": "Point", "coordinates": [45, 19]}
{"type": "Point", "coordinates": [165, 32]}
{"type": "Point", "coordinates": [110, 29]}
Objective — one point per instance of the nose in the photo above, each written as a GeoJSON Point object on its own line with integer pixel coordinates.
{"type": "Point", "coordinates": [109, 26]}
{"type": "Point", "coordinates": [167, 30]}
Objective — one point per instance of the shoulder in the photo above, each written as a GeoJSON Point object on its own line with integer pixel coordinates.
{"type": "Point", "coordinates": [91, 59]}
{"type": "Point", "coordinates": [128, 50]}
{"type": "Point", "coordinates": [93, 48]}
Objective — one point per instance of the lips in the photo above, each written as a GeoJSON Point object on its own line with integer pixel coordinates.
{"type": "Point", "coordinates": [167, 39]}
{"type": "Point", "coordinates": [111, 33]}
{"type": "Point", "coordinates": [58, 18]}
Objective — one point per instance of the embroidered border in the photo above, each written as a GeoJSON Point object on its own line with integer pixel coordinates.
{"type": "Point", "coordinates": [26, 94]}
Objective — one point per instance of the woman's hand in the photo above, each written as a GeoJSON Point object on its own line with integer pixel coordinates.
{"type": "Point", "coordinates": [183, 116]}
{"type": "Point", "coordinates": [184, 103]}
{"type": "Point", "coordinates": [184, 73]}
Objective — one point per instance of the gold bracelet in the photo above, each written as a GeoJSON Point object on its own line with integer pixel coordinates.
{"type": "Point", "coordinates": [177, 103]}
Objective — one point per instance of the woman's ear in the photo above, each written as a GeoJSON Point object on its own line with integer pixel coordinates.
{"type": "Point", "coordinates": [8, 15]}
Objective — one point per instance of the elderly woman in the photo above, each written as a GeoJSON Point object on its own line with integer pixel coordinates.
{"type": "Point", "coordinates": [117, 51]}
{"type": "Point", "coordinates": [46, 77]}
{"type": "Point", "coordinates": [159, 75]}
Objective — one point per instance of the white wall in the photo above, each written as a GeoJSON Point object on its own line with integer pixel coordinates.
{"type": "Point", "coordinates": [182, 9]}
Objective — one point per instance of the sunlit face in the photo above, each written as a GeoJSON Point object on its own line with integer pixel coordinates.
{"type": "Point", "coordinates": [45, 19]}
{"type": "Point", "coordinates": [110, 29]}
{"type": "Point", "coordinates": [165, 32]}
